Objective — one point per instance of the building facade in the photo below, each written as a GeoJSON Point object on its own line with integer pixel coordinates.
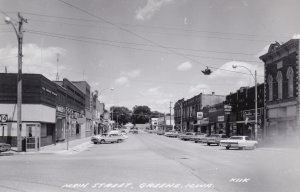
{"type": "Point", "coordinates": [189, 110]}
{"type": "Point", "coordinates": [282, 120]}
{"type": "Point", "coordinates": [38, 110]}
{"type": "Point", "coordinates": [87, 121]}
{"type": "Point", "coordinates": [242, 111]}
{"type": "Point", "coordinates": [72, 99]}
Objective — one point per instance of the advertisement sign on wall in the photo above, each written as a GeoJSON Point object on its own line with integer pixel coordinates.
{"type": "Point", "coordinates": [200, 115]}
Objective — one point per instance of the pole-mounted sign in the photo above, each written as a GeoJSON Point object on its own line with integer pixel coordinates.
{"type": "Point", "coordinates": [3, 118]}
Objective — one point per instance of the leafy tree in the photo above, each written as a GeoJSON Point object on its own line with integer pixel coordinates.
{"type": "Point", "coordinates": [156, 114]}
{"type": "Point", "coordinates": [141, 114]}
{"type": "Point", "coordinates": [122, 115]}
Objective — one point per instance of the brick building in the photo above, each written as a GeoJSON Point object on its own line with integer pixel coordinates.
{"type": "Point", "coordinates": [282, 96]}
{"type": "Point", "coordinates": [191, 108]}
{"type": "Point", "coordinates": [242, 116]}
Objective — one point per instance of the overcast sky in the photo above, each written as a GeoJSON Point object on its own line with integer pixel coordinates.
{"type": "Point", "coordinates": [150, 51]}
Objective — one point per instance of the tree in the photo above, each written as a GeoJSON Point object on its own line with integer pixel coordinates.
{"type": "Point", "coordinates": [156, 114]}
{"type": "Point", "coordinates": [141, 114]}
{"type": "Point", "coordinates": [122, 115]}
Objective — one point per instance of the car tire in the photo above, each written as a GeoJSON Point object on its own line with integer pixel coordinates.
{"type": "Point", "coordinates": [208, 144]}
{"type": "Point", "coordinates": [95, 142]}
{"type": "Point", "coordinates": [119, 140]}
{"type": "Point", "coordinates": [227, 147]}
{"type": "Point", "coordinates": [218, 144]}
{"type": "Point", "coordinates": [241, 148]}
{"type": "Point", "coordinates": [196, 141]}
{"type": "Point", "coordinates": [102, 141]}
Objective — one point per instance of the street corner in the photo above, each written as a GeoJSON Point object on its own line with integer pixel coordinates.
{"type": "Point", "coordinates": [77, 149]}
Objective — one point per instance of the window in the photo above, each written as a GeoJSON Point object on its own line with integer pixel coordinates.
{"type": "Point", "coordinates": [270, 83]}
{"type": "Point", "coordinates": [290, 77]}
{"type": "Point", "coordinates": [279, 82]}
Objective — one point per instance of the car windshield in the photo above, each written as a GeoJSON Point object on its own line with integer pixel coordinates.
{"type": "Point", "coordinates": [236, 138]}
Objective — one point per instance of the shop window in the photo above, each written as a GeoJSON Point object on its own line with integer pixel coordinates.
{"type": "Point", "coordinates": [279, 83]}
{"type": "Point", "coordinates": [290, 77]}
{"type": "Point", "coordinates": [270, 86]}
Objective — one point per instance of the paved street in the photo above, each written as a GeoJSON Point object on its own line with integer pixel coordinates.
{"type": "Point", "coordinates": [148, 162]}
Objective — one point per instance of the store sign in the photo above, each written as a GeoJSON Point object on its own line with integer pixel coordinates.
{"type": "Point", "coordinates": [199, 115]}
{"type": "Point", "coordinates": [251, 113]}
{"type": "Point", "coordinates": [221, 119]}
{"type": "Point", "coordinates": [60, 109]}
{"type": "Point", "coordinates": [204, 121]}
{"type": "Point", "coordinates": [227, 108]}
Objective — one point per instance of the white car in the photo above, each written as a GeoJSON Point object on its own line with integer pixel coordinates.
{"type": "Point", "coordinates": [240, 142]}
{"type": "Point", "coordinates": [110, 137]}
{"type": "Point", "coordinates": [171, 134]}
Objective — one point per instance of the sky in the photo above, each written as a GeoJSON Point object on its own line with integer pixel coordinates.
{"type": "Point", "coordinates": [150, 52]}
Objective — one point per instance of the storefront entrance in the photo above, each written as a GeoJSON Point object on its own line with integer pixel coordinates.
{"type": "Point", "coordinates": [32, 137]}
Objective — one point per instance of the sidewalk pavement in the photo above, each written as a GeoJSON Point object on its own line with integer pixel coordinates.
{"type": "Point", "coordinates": [75, 146]}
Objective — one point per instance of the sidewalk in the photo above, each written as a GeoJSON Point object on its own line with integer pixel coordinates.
{"type": "Point", "coordinates": [75, 146]}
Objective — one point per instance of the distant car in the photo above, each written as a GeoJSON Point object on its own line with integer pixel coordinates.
{"type": "Point", "coordinates": [124, 134]}
{"type": "Point", "coordinates": [215, 139]}
{"type": "Point", "coordinates": [160, 132]}
{"type": "Point", "coordinates": [110, 137]}
{"type": "Point", "coordinates": [4, 147]}
{"type": "Point", "coordinates": [151, 131]}
{"type": "Point", "coordinates": [240, 142]}
{"type": "Point", "coordinates": [134, 130]}
{"type": "Point", "coordinates": [171, 134]}
{"type": "Point", "coordinates": [196, 138]}
{"type": "Point", "coordinates": [187, 136]}
{"type": "Point", "coordinates": [204, 139]}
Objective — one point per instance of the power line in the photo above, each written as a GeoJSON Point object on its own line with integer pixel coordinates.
{"type": "Point", "coordinates": [158, 27]}
{"type": "Point", "coordinates": [87, 41]}
{"type": "Point", "coordinates": [148, 45]}
{"type": "Point", "coordinates": [137, 35]}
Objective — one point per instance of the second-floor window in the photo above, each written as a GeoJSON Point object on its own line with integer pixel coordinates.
{"type": "Point", "coordinates": [279, 82]}
{"type": "Point", "coordinates": [270, 86]}
{"type": "Point", "coordinates": [290, 77]}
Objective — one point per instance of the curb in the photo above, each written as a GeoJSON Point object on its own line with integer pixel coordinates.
{"type": "Point", "coordinates": [73, 150]}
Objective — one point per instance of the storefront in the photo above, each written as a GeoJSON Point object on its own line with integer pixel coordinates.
{"type": "Point", "coordinates": [38, 126]}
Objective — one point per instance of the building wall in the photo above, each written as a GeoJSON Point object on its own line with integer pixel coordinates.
{"type": "Point", "coordinates": [282, 114]}
{"type": "Point", "coordinates": [36, 89]}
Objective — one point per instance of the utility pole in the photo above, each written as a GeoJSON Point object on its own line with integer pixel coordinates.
{"type": "Point", "coordinates": [57, 60]}
{"type": "Point", "coordinates": [171, 115]}
{"type": "Point", "coordinates": [255, 126]}
{"type": "Point", "coordinates": [19, 32]}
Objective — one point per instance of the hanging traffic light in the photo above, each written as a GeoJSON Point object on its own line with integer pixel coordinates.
{"type": "Point", "coordinates": [207, 71]}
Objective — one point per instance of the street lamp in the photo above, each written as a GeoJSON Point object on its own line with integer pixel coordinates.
{"type": "Point", "coordinates": [180, 104]}
{"type": "Point", "coordinates": [19, 32]}
{"type": "Point", "coordinates": [255, 80]}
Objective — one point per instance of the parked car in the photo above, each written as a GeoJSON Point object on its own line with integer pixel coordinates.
{"type": "Point", "coordinates": [171, 134]}
{"type": "Point", "coordinates": [160, 132]}
{"type": "Point", "coordinates": [134, 131]}
{"type": "Point", "coordinates": [187, 136]}
{"type": "Point", "coordinates": [240, 142]}
{"type": "Point", "coordinates": [110, 137]}
{"type": "Point", "coordinates": [216, 138]}
{"type": "Point", "coordinates": [4, 147]}
{"type": "Point", "coordinates": [204, 139]}
{"type": "Point", "coordinates": [124, 134]}
{"type": "Point", "coordinates": [151, 131]}
{"type": "Point", "coordinates": [196, 138]}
